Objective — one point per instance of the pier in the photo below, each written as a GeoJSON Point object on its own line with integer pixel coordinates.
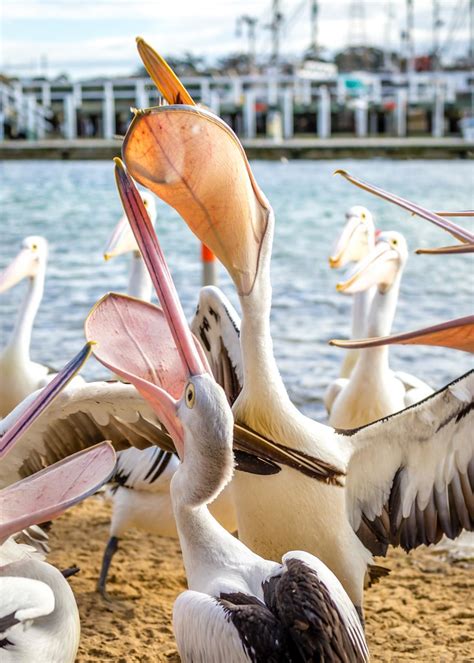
{"type": "Point", "coordinates": [260, 148]}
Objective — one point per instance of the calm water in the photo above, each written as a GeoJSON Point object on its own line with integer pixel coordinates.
{"type": "Point", "coordinates": [75, 206]}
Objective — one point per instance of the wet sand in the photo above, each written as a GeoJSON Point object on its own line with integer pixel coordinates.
{"type": "Point", "coordinates": [423, 611]}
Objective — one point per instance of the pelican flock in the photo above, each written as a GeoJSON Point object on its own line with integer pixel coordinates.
{"type": "Point", "coordinates": [278, 516]}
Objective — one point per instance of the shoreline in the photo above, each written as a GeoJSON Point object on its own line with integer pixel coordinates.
{"type": "Point", "coordinates": [422, 611]}
{"type": "Point", "coordinates": [259, 148]}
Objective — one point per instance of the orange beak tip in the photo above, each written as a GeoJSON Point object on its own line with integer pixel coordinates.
{"type": "Point", "coordinates": [341, 171]}
{"type": "Point", "coordinates": [340, 287]}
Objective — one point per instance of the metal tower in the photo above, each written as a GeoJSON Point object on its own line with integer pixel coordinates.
{"type": "Point", "coordinates": [357, 34]}
{"type": "Point", "coordinates": [314, 10]}
{"type": "Point", "coordinates": [250, 22]}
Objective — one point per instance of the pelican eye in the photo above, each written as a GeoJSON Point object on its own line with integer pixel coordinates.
{"type": "Point", "coordinates": [394, 242]}
{"type": "Point", "coordinates": [190, 395]}
{"type": "Point", "coordinates": [34, 247]}
{"type": "Point", "coordinates": [363, 216]}
{"type": "Point", "coordinates": [145, 202]}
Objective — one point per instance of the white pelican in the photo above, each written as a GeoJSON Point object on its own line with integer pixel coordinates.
{"type": "Point", "coordinates": [239, 607]}
{"type": "Point", "coordinates": [141, 491]}
{"type": "Point", "coordinates": [20, 375]}
{"type": "Point", "coordinates": [464, 237]}
{"type": "Point", "coordinates": [355, 241]}
{"type": "Point", "coordinates": [398, 469]}
{"type": "Point", "coordinates": [39, 620]}
{"type": "Point", "coordinates": [122, 241]}
{"type": "Point", "coordinates": [373, 390]}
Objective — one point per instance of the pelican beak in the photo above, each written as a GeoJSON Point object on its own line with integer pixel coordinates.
{"type": "Point", "coordinates": [18, 421]}
{"type": "Point", "coordinates": [459, 233]}
{"type": "Point", "coordinates": [163, 76]}
{"type": "Point", "coordinates": [20, 268]}
{"type": "Point", "coordinates": [379, 267]}
{"type": "Point", "coordinates": [194, 162]}
{"type": "Point", "coordinates": [121, 240]}
{"type": "Point", "coordinates": [457, 334]}
{"type": "Point", "coordinates": [48, 493]}
{"type": "Point", "coordinates": [341, 252]}
{"type": "Point", "coordinates": [447, 250]}
{"type": "Point", "coordinates": [142, 350]}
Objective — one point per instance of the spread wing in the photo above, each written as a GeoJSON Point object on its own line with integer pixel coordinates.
{"type": "Point", "coordinates": [80, 417]}
{"type": "Point", "coordinates": [217, 326]}
{"type": "Point", "coordinates": [410, 477]}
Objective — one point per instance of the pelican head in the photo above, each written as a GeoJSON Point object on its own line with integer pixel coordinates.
{"type": "Point", "coordinates": [356, 239]}
{"type": "Point", "coordinates": [27, 264]}
{"type": "Point", "coordinates": [380, 267]}
{"type": "Point", "coordinates": [193, 161]}
{"type": "Point", "coordinates": [122, 240]}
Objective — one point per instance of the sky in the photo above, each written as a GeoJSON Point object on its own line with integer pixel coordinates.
{"type": "Point", "coordinates": [86, 38]}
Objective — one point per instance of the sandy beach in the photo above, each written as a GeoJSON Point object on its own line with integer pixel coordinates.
{"type": "Point", "coordinates": [422, 612]}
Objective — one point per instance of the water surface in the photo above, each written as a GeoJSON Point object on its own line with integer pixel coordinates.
{"type": "Point", "coordinates": [75, 206]}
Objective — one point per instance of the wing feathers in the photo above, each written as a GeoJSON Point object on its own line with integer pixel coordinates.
{"type": "Point", "coordinates": [414, 470]}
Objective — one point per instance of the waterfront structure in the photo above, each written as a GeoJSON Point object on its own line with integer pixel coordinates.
{"type": "Point", "coordinates": [315, 101]}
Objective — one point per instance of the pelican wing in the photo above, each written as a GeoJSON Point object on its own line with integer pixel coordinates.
{"type": "Point", "coordinates": [410, 477]}
{"type": "Point", "coordinates": [216, 325]}
{"type": "Point", "coordinates": [80, 417]}
{"type": "Point", "coordinates": [140, 469]}
{"type": "Point", "coordinates": [318, 615]}
{"type": "Point", "coordinates": [23, 600]}
{"type": "Point", "coordinates": [232, 627]}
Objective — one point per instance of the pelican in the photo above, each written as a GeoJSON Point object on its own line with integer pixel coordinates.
{"type": "Point", "coordinates": [373, 391]}
{"type": "Point", "coordinates": [20, 375]}
{"type": "Point", "coordinates": [464, 237]}
{"type": "Point", "coordinates": [398, 470]}
{"type": "Point", "coordinates": [122, 241]}
{"type": "Point", "coordinates": [238, 606]}
{"type": "Point", "coordinates": [39, 619]}
{"type": "Point", "coordinates": [355, 241]}
{"type": "Point", "coordinates": [141, 483]}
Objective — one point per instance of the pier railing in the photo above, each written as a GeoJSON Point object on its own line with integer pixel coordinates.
{"type": "Point", "coordinates": [101, 107]}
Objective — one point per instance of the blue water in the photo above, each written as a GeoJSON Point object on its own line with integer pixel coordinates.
{"type": "Point", "coordinates": [75, 206]}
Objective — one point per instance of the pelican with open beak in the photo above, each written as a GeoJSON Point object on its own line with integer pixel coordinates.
{"type": "Point", "coordinates": [224, 576]}
{"type": "Point", "coordinates": [193, 161]}
{"type": "Point", "coordinates": [39, 619]}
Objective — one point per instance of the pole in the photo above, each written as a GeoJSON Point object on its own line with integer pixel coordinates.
{"type": "Point", "coordinates": [313, 47]}
{"type": "Point", "coordinates": [277, 18]}
{"type": "Point", "coordinates": [209, 266]}
{"type": "Point", "coordinates": [409, 38]}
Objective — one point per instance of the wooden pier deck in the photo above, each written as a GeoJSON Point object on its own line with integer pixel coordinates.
{"type": "Point", "coordinates": [260, 148]}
